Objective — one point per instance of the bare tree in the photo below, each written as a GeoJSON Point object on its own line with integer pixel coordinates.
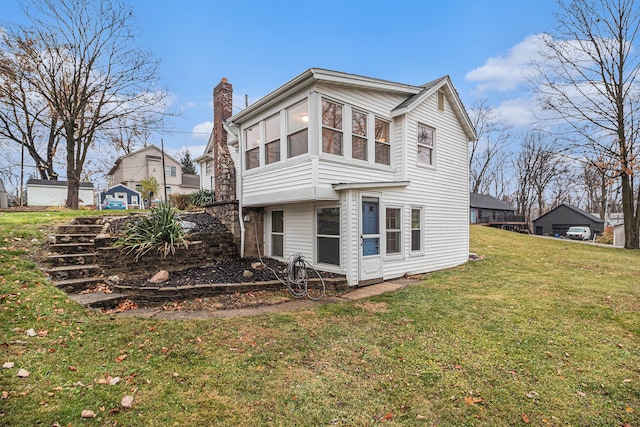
{"type": "Point", "coordinates": [81, 62]}
{"type": "Point", "coordinates": [589, 80]}
{"type": "Point", "coordinates": [25, 118]}
{"type": "Point", "coordinates": [537, 166]}
{"type": "Point", "coordinates": [486, 158]}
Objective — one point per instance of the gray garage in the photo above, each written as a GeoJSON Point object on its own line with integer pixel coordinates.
{"type": "Point", "coordinates": [557, 221]}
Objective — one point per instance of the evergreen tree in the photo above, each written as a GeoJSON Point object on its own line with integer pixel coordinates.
{"type": "Point", "coordinates": [188, 165]}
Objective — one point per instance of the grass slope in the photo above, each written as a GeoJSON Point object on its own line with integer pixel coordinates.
{"type": "Point", "coordinates": [541, 332]}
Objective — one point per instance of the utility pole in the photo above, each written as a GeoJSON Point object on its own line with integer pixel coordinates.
{"type": "Point", "coordinates": [164, 172]}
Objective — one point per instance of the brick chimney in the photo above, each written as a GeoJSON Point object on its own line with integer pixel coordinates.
{"type": "Point", "coordinates": [225, 172]}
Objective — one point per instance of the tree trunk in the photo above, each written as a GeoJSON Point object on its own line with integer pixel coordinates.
{"type": "Point", "coordinates": [630, 226]}
{"type": "Point", "coordinates": [73, 178]}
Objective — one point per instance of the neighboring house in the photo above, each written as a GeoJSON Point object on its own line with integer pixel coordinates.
{"type": "Point", "coordinates": [42, 192]}
{"type": "Point", "coordinates": [131, 169]}
{"type": "Point", "coordinates": [557, 221]}
{"type": "Point", "coordinates": [132, 199]}
{"type": "Point", "coordinates": [365, 177]}
{"type": "Point", "coordinates": [487, 210]}
{"type": "Point", "coordinates": [4, 196]}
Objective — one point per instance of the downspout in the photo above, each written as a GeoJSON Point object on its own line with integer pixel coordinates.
{"type": "Point", "coordinates": [239, 194]}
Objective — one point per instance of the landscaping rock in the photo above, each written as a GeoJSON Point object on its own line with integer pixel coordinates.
{"type": "Point", "coordinates": [247, 274]}
{"type": "Point", "coordinates": [86, 413]}
{"type": "Point", "coordinates": [257, 265]}
{"type": "Point", "coordinates": [160, 277]}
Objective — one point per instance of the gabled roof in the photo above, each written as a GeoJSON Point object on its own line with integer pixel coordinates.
{"type": "Point", "coordinates": [574, 209]}
{"type": "Point", "coordinates": [484, 201]}
{"type": "Point", "coordinates": [54, 183]}
{"type": "Point", "coordinates": [148, 147]}
{"type": "Point", "coordinates": [415, 94]}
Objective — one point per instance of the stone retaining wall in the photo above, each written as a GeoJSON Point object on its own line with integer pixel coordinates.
{"type": "Point", "coordinates": [154, 295]}
{"type": "Point", "coordinates": [207, 247]}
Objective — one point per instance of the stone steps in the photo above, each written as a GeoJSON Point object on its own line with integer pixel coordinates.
{"type": "Point", "coordinates": [74, 272]}
{"type": "Point", "coordinates": [73, 261]}
{"type": "Point", "coordinates": [78, 285]}
{"type": "Point", "coordinates": [72, 248]}
{"type": "Point", "coordinates": [62, 239]}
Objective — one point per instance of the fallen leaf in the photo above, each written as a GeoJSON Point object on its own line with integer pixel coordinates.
{"type": "Point", "coordinates": [114, 380]}
{"type": "Point", "coordinates": [626, 380]}
{"type": "Point", "coordinates": [121, 358]}
{"type": "Point", "coordinates": [5, 394]}
{"type": "Point", "coordinates": [31, 332]}
{"type": "Point", "coordinates": [532, 394]}
{"type": "Point", "coordinates": [629, 409]}
{"type": "Point", "coordinates": [127, 402]}
{"type": "Point", "coordinates": [581, 393]}
{"type": "Point", "coordinates": [8, 365]}
{"type": "Point", "coordinates": [22, 373]}
{"type": "Point", "coordinates": [388, 417]}
{"type": "Point", "coordinates": [420, 417]}
{"type": "Point", "coordinates": [525, 418]}
{"type": "Point", "coordinates": [470, 400]}
{"type": "Point", "coordinates": [73, 368]}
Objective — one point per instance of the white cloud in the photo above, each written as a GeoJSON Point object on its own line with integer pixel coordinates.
{"type": "Point", "coordinates": [508, 72]}
{"type": "Point", "coordinates": [202, 130]}
{"type": "Point", "coordinates": [518, 112]}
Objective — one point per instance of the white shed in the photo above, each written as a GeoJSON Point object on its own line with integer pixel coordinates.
{"type": "Point", "coordinates": [42, 192]}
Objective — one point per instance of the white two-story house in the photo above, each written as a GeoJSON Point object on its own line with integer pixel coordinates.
{"type": "Point", "coordinates": [364, 177]}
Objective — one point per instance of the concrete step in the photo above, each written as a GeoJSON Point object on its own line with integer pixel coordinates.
{"type": "Point", "coordinates": [98, 299]}
{"type": "Point", "coordinates": [78, 285]}
{"type": "Point", "coordinates": [72, 248]}
{"type": "Point", "coordinates": [74, 272]}
{"type": "Point", "coordinates": [59, 260]}
{"type": "Point", "coordinates": [61, 239]}
{"type": "Point", "coordinates": [94, 229]}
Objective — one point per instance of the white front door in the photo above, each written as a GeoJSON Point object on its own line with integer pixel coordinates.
{"type": "Point", "coordinates": [370, 259]}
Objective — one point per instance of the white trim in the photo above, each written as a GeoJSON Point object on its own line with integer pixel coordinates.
{"type": "Point", "coordinates": [367, 185]}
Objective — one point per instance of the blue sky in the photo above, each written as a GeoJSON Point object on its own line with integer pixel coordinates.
{"type": "Point", "coordinates": [483, 45]}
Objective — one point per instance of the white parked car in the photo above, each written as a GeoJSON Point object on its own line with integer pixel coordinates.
{"type": "Point", "coordinates": [579, 233]}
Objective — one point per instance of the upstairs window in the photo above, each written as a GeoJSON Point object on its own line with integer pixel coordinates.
{"type": "Point", "coordinates": [383, 146]}
{"type": "Point", "coordinates": [297, 130]}
{"type": "Point", "coordinates": [359, 135]}
{"type": "Point", "coordinates": [272, 137]}
{"type": "Point", "coordinates": [170, 171]}
{"type": "Point", "coordinates": [331, 127]}
{"type": "Point", "coordinates": [425, 144]}
{"type": "Point", "coordinates": [252, 154]}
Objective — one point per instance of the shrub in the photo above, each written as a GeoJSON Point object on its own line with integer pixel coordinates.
{"type": "Point", "coordinates": [158, 231]}
{"type": "Point", "coordinates": [607, 236]}
{"type": "Point", "coordinates": [201, 197]}
{"type": "Point", "coordinates": [180, 201]}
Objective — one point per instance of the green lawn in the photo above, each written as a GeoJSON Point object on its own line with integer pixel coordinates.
{"type": "Point", "coordinates": [540, 332]}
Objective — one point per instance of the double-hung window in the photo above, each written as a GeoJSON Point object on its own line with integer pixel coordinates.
{"type": "Point", "coordinates": [393, 222]}
{"type": "Point", "coordinates": [272, 140]}
{"type": "Point", "coordinates": [170, 171]}
{"type": "Point", "coordinates": [328, 235]}
{"type": "Point", "coordinates": [297, 130]}
{"type": "Point", "coordinates": [425, 144]}
{"type": "Point", "coordinates": [383, 146]}
{"type": "Point", "coordinates": [277, 234]}
{"type": "Point", "coordinates": [359, 135]}
{"type": "Point", "coordinates": [416, 229]}
{"type": "Point", "coordinates": [252, 154]}
{"type": "Point", "coordinates": [331, 127]}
